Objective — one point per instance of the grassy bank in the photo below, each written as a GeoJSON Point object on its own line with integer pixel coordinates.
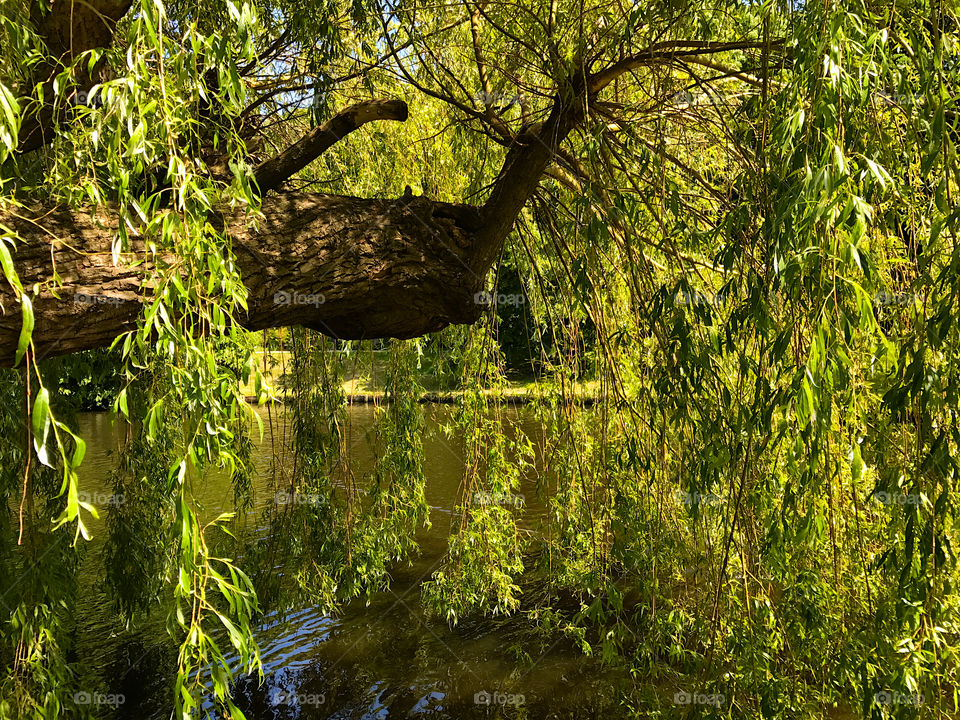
{"type": "Point", "coordinates": [365, 381]}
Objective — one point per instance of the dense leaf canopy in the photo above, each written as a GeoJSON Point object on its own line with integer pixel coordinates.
{"type": "Point", "coordinates": [721, 236]}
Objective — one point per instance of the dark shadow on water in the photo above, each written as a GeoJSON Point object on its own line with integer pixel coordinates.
{"type": "Point", "coordinates": [387, 659]}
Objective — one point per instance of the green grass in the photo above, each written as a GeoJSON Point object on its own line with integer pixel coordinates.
{"type": "Point", "coordinates": [367, 377]}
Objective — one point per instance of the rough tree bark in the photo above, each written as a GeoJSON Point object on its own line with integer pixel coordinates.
{"type": "Point", "coordinates": [349, 267]}
{"type": "Point", "coordinates": [352, 268]}
{"type": "Point", "coordinates": [68, 29]}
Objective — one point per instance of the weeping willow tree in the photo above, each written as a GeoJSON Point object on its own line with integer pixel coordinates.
{"type": "Point", "coordinates": [734, 229]}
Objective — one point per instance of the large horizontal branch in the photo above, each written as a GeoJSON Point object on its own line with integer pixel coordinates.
{"type": "Point", "coordinates": [271, 173]}
{"type": "Point", "coordinates": [349, 267]}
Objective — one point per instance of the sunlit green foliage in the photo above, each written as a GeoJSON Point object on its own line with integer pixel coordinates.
{"type": "Point", "coordinates": [742, 303]}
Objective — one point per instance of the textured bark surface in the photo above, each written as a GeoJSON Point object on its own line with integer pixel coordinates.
{"type": "Point", "coordinates": [68, 28]}
{"type": "Point", "coordinates": [349, 267]}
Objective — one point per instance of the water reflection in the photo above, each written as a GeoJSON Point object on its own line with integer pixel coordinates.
{"type": "Point", "coordinates": [382, 660]}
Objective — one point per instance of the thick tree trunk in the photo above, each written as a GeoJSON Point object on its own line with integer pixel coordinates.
{"type": "Point", "coordinates": [69, 29]}
{"type": "Point", "coordinates": [349, 267]}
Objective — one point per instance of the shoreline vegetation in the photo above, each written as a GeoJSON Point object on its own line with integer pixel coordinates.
{"type": "Point", "coordinates": [355, 281]}
{"type": "Point", "coordinates": [365, 383]}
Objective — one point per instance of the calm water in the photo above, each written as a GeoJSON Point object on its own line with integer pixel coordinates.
{"type": "Point", "coordinates": [385, 660]}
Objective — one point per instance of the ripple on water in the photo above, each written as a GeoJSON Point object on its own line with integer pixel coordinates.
{"type": "Point", "coordinates": [385, 659]}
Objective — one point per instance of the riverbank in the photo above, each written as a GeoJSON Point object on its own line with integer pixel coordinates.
{"type": "Point", "coordinates": [365, 383]}
{"type": "Point", "coordinates": [449, 398]}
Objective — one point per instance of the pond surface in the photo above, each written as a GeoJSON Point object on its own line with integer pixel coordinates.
{"type": "Point", "coordinates": [385, 660]}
